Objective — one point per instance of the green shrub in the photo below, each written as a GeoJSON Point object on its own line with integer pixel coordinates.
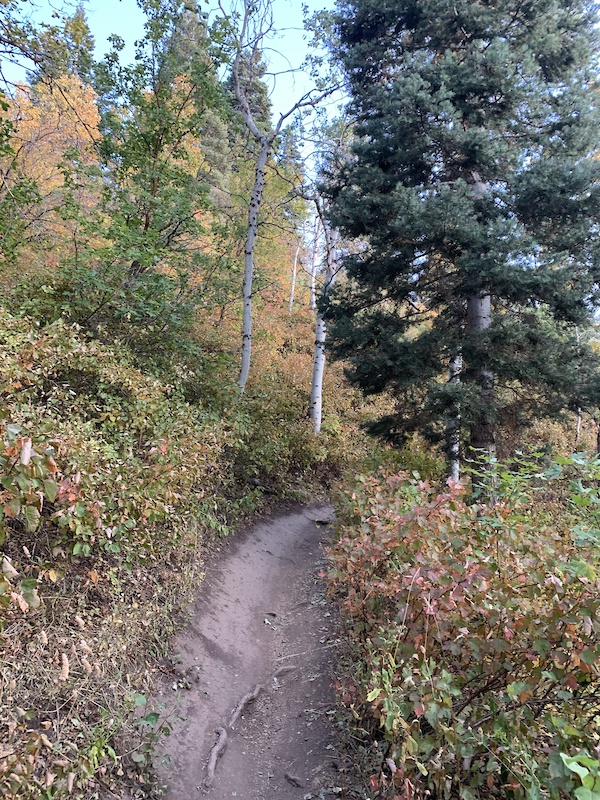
{"type": "Point", "coordinates": [476, 633]}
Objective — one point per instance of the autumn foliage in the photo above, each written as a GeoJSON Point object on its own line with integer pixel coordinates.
{"type": "Point", "coordinates": [477, 636]}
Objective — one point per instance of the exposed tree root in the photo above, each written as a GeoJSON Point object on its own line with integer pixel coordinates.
{"type": "Point", "coordinates": [250, 697]}
{"type": "Point", "coordinates": [217, 751]}
{"type": "Point", "coordinates": [282, 671]}
{"type": "Point", "coordinates": [293, 780]}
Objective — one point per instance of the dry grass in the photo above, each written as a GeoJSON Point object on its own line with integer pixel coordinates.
{"type": "Point", "coordinates": [74, 670]}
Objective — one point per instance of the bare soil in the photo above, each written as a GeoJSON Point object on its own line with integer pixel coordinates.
{"type": "Point", "coordinates": [261, 626]}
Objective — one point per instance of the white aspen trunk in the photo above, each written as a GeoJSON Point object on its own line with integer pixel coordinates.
{"type": "Point", "coordinates": [294, 273]}
{"type": "Point", "coordinates": [316, 392]}
{"type": "Point", "coordinates": [578, 423]}
{"type": "Point", "coordinates": [255, 199]}
{"type": "Point", "coordinates": [578, 427]}
{"type": "Point", "coordinates": [313, 268]}
{"type": "Point", "coordinates": [454, 423]}
{"type": "Point", "coordinates": [256, 22]}
{"type": "Point", "coordinates": [479, 319]}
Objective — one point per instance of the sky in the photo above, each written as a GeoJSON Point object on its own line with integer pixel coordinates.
{"type": "Point", "coordinates": [284, 52]}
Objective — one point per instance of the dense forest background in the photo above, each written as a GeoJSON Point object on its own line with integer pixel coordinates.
{"type": "Point", "coordinates": [176, 260]}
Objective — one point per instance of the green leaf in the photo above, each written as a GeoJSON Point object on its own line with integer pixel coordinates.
{"type": "Point", "coordinates": [572, 763]}
{"type": "Point", "coordinates": [51, 490]}
{"type": "Point", "coordinates": [14, 507]}
{"type": "Point", "coordinates": [23, 483]}
{"type": "Point", "coordinates": [31, 517]}
{"type": "Point", "coordinates": [583, 793]}
{"type": "Point", "coordinates": [421, 768]}
{"type": "Point", "coordinates": [373, 695]}
{"type": "Point", "coordinates": [151, 718]}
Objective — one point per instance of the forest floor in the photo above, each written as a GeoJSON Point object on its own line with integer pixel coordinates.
{"type": "Point", "coordinates": [254, 673]}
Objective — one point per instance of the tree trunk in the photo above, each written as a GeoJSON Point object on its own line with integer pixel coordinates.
{"type": "Point", "coordinates": [255, 199]}
{"type": "Point", "coordinates": [294, 273]}
{"type": "Point", "coordinates": [316, 392]}
{"type": "Point", "coordinates": [483, 436]}
{"type": "Point", "coordinates": [453, 424]}
{"type": "Point", "coordinates": [313, 268]}
{"type": "Point", "coordinates": [578, 423]}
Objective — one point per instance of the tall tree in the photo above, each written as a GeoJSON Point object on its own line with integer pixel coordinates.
{"type": "Point", "coordinates": [475, 200]}
{"type": "Point", "coordinates": [137, 269]}
{"type": "Point", "coordinates": [255, 22]}
{"type": "Point", "coordinates": [330, 274]}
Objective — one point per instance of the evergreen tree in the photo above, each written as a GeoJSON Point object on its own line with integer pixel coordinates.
{"type": "Point", "coordinates": [472, 192]}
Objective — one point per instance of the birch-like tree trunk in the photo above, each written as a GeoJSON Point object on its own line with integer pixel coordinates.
{"type": "Point", "coordinates": [316, 392]}
{"type": "Point", "coordinates": [253, 208]}
{"type": "Point", "coordinates": [453, 424]}
{"type": "Point", "coordinates": [294, 273]}
{"type": "Point", "coordinates": [578, 422]}
{"type": "Point", "coordinates": [313, 267]}
{"type": "Point", "coordinates": [479, 319]}
{"type": "Point", "coordinates": [255, 23]}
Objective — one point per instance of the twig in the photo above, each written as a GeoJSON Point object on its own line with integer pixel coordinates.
{"type": "Point", "coordinates": [312, 650]}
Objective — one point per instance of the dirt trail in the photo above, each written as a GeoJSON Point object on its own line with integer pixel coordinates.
{"type": "Point", "coordinates": [260, 608]}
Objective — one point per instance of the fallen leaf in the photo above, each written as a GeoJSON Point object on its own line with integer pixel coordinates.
{"type": "Point", "coordinates": [8, 569]}
{"type": "Point", "coordinates": [26, 452]}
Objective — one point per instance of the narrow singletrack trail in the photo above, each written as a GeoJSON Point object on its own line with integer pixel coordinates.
{"type": "Point", "coordinates": [258, 657]}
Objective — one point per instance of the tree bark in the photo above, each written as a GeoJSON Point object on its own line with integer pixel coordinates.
{"type": "Point", "coordinates": [256, 22]}
{"type": "Point", "coordinates": [253, 208]}
{"type": "Point", "coordinates": [453, 425]}
{"type": "Point", "coordinates": [483, 435]}
{"type": "Point", "coordinates": [316, 393]}
{"type": "Point", "coordinates": [294, 273]}
{"type": "Point", "coordinates": [313, 268]}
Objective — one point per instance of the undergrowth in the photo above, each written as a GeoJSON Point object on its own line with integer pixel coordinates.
{"type": "Point", "coordinates": [112, 484]}
{"type": "Point", "coordinates": [475, 633]}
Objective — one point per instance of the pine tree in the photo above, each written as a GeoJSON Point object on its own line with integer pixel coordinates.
{"type": "Point", "coordinates": [472, 192]}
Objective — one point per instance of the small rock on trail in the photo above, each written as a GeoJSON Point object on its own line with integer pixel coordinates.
{"type": "Point", "coordinates": [258, 656]}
